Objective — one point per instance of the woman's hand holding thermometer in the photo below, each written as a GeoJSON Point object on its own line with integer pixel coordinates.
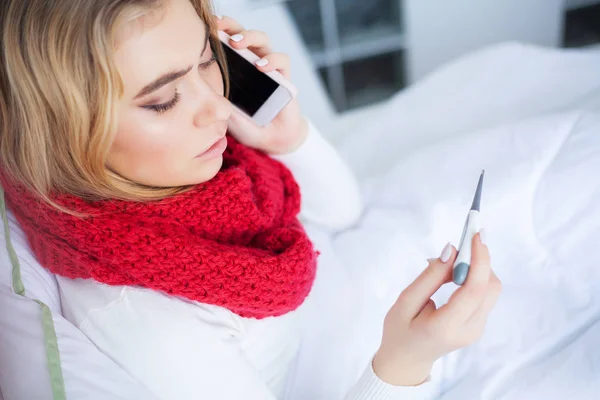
{"type": "Point", "coordinates": [416, 332]}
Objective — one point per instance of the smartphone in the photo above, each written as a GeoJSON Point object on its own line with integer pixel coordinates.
{"type": "Point", "coordinates": [259, 95]}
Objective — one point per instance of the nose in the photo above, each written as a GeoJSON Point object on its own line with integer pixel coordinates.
{"type": "Point", "coordinates": [212, 108]}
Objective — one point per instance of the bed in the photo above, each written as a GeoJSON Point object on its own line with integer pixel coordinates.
{"type": "Point", "coordinates": [531, 118]}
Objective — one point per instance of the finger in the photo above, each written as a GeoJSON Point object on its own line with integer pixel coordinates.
{"type": "Point", "coordinates": [229, 25]}
{"type": "Point", "coordinates": [449, 279]}
{"type": "Point", "coordinates": [418, 293]}
{"type": "Point", "coordinates": [427, 309]}
{"type": "Point", "coordinates": [479, 251]}
{"type": "Point", "coordinates": [477, 323]}
{"type": "Point", "coordinates": [275, 62]}
{"type": "Point", "coordinates": [258, 42]}
{"type": "Point", "coordinates": [493, 293]}
{"type": "Point", "coordinates": [469, 297]}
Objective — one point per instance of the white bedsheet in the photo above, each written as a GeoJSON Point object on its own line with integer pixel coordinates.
{"type": "Point", "coordinates": [531, 118]}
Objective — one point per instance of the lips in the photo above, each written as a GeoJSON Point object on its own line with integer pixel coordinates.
{"type": "Point", "coordinates": [215, 150]}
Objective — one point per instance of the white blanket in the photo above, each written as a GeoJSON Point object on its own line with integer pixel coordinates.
{"type": "Point", "coordinates": [531, 118]}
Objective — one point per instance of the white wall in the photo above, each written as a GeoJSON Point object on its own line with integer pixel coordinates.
{"type": "Point", "coordinates": [438, 31]}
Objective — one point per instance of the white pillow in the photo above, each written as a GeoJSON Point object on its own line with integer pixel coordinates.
{"type": "Point", "coordinates": [24, 366]}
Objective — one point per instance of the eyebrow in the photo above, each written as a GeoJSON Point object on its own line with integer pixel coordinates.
{"type": "Point", "coordinates": [169, 77]}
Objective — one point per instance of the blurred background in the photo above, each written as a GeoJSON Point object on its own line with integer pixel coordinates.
{"type": "Point", "coordinates": [350, 55]}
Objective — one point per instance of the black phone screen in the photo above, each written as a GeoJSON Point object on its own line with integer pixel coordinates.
{"type": "Point", "coordinates": [249, 88]}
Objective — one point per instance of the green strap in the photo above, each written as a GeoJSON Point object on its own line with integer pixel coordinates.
{"type": "Point", "coordinates": [17, 282]}
{"type": "Point", "coordinates": [51, 342]}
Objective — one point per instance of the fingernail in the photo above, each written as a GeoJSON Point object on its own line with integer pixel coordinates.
{"type": "Point", "coordinates": [237, 37]}
{"type": "Point", "coordinates": [430, 260]}
{"type": "Point", "coordinates": [262, 62]}
{"type": "Point", "coordinates": [482, 236]}
{"type": "Point", "coordinates": [219, 16]}
{"type": "Point", "coordinates": [446, 253]}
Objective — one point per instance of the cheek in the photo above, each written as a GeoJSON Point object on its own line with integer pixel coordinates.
{"type": "Point", "coordinates": [146, 147]}
{"type": "Point", "coordinates": [143, 137]}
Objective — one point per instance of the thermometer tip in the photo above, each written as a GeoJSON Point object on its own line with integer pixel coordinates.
{"type": "Point", "coordinates": [477, 197]}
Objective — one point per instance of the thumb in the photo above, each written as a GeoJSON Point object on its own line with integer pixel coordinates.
{"type": "Point", "coordinates": [416, 296]}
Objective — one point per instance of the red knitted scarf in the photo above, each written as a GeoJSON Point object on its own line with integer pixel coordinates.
{"type": "Point", "coordinates": [234, 241]}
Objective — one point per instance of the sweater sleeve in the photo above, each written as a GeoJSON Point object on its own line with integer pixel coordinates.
{"type": "Point", "coordinates": [330, 192]}
{"type": "Point", "coordinates": [370, 387]}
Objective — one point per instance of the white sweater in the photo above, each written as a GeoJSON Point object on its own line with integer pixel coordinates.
{"type": "Point", "coordinates": [185, 350]}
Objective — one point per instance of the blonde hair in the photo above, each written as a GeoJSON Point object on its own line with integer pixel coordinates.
{"type": "Point", "coordinates": [59, 89]}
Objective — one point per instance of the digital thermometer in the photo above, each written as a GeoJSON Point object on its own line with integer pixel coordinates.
{"type": "Point", "coordinates": [472, 226]}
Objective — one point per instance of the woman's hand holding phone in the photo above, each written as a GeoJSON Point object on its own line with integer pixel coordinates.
{"type": "Point", "coordinates": [289, 129]}
{"type": "Point", "coordinates": [416, 333]}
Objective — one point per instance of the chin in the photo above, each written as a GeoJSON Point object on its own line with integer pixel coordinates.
{"type": "Point", "coordinates": [208, 170]}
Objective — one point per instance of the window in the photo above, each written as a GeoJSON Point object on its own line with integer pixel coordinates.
{"type": "Point", "coordinates": [356, 45]}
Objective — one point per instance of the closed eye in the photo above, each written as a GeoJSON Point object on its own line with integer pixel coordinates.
{"type": "Point", "coordinates": [161, 108]}
{"type": "Point", "coordinates": [208, 64]}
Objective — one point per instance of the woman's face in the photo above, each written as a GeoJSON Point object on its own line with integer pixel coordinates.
{"type": "Point", "coordinates": [173, 116]}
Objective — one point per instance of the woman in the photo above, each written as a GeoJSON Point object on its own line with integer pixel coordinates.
{"type": "Point", "coordinates": [178, 249]}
